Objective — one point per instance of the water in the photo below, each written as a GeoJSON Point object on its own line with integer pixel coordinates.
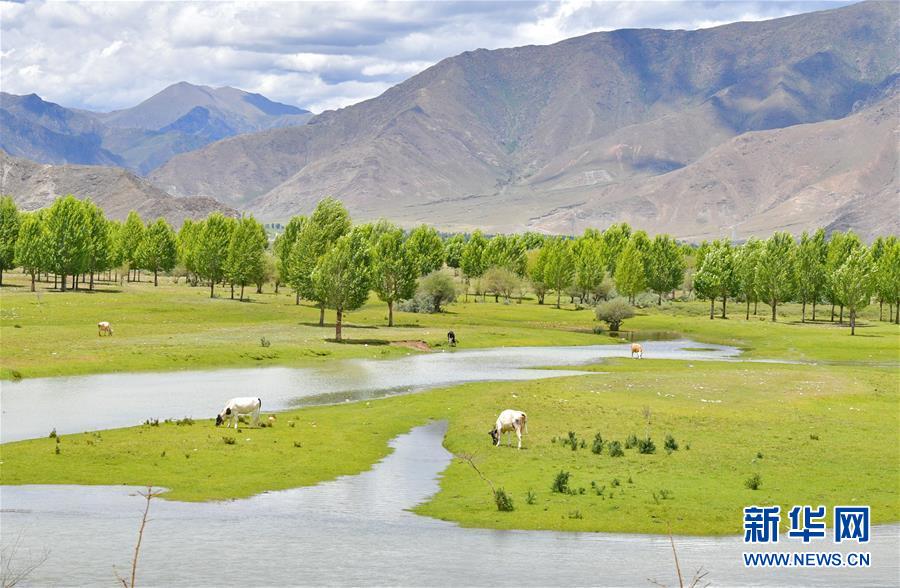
{"type": "Point", "coordinates": [32, 407]}
{"type": "Point", "coordinates": [356, 531]}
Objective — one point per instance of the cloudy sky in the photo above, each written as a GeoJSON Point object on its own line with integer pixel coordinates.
{"type": "Point", "coordinates": [317, 55]}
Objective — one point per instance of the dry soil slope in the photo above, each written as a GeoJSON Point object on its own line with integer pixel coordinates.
{"type": "Point", "coordinates": [115, 190]}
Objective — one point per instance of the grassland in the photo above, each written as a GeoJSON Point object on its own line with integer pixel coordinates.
{"type": "Point", "coordinates": [815, 434]}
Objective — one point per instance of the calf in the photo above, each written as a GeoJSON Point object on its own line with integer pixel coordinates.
{"type": "Point", "coordinates": [508, 421]}
{"type": "Point", "coordinates": [104, 327]}
{"type": "Point", "coordinates": [238, 406]}
{"type": "Point", "coordinates": [637, 349]}
{"type": "Point", "coordinates": [451, 339]}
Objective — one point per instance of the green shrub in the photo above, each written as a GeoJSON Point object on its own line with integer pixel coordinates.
{"type": "Point", "coordinates": [530, 497]}
{"type": "Point", "coordinates": [297, 444]}
{"type": "Point", "coordinates": [561, 483]}
{"type": "Point", "coordinates": [615, 482]}
{"type": "Point", "coordinates": [631, 441]}
{"type": "Point", "coordinates": [597, 447]}
{"type": "Point", "coordinates": [615, 449]}
{"type": "Point", "coordinates": [753, 482]}
{"type": "Point", "coordinates": [227, 440]}
{"type": "Point", "coordinates": [575, 514]}
{"type": "Point", "coordinates": [813, 437]}
{"type": "Point", "coordinates": [185, 421]}
{"type": "Point", "coordinates": [646, 446]}
{"type": "Point", "coordinates": [670, 444]}
{"type": "Point", "coordinates": [503, 500]}
{"type": "Point", "coordinates": [614, 312]}
{"type": "Point", "coordinates": [53, 433]}
{"type": "Point", "coordinates": [264, 342]}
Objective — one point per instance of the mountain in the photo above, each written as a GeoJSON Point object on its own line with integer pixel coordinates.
{"type": "Point", "coordinates": [506, 139]}
{"type": "Point", "coordinates": [117, 191]}
{"type": "Point", "coordinates": [181, 118]}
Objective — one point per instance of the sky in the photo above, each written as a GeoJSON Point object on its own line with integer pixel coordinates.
{"type": "Point", "coordinates": [316, 55]}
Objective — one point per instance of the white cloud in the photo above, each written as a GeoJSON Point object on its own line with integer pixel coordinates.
{"type": "Point", "coordinates": [318, 55]}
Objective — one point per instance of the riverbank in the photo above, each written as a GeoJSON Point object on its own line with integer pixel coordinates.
{"type": "Point", "coordinates": [177, 327]}
{"type": "Point", "coordinates": [731, 421]}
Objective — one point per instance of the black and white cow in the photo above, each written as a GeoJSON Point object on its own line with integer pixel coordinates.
{"type": "Point", "coordinates": [238, 406]}
{"type": "Point", "coordinates": [508, 421]}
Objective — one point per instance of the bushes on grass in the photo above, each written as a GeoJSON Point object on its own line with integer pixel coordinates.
{"type": "Point", "coordinates": [646, 446]}
{"type": "Point", "coordinates": [615, 449]}
{"type": "Point", "coordinates": [561, 483]}
{"type": "Point", "coordinates": [753, 482]}
{"type": "Point", "coordinates": [503, 500]}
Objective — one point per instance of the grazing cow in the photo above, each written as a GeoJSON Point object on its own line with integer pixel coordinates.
{"type": "Point", "coordinates": [637, 349]}
{"type": "Point", "coordinates": [104, 327]}
{"type": "Point", "coordinates": [238, 406]}
{"type": "Point", "coordinates": [451, 339]}
{"type": "Point", "coordinates": [508, 421]}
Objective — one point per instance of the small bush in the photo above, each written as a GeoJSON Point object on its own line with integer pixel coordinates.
{"type": "Point", "coordinates": [57, 450]}
{"type": "Point", "coordinates": [753, 482]}
{"type": "Point", "coordinates": [297, 444]}
{"type": "Point", "coordinates": [646, 446]}
{"type": "Point", "coordinates": [597, 446]}
{"type": "Point", "coordinates": [575, 514]}
{"type": "Point", "coordinates": [561, 483]}
{"type": "Point", "coordinates": [186, 421]}
{"type": "Point", "coordinates": [813, 437]}
{"type": "Point", "coordinates": [503, 500]}
{"type": "Point", "coordinates": [53, 433]}
{"type": "Point", "coordinates": [439, 287]}
{"type": "Point", "coordinates": [671, 444]}
{"type": "Point", "coordinates": [615, 482]}
{"type": "Point", "coordinates": [599, 490]}
{"type": "Point", "coordinates": [614, 312]}
{"type": "Point", "coordinates": [759, 455]}
{"type": "Point", "coordinates": [630, 481]}
{"type": "Point", "coordinates": [665, 494]}
{"type": "Point", "coordinates": [16, 375]}
{"type": "Point", "coordinates": [152, 422]}
{"type": "Point", "coordinates": [264, 342]}
{"type": "Point", "coordinates": [163, 454]}
{"type": "Point", "coordinates": [631, 441]}
{"type": "Point", "coordinates": [615, 449]}
{"type": "Point", "coordinates": [530, 497]}
{"type": "Point", "coordinates": [227, 440]}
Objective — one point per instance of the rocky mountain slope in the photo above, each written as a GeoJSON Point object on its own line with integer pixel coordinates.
{"type": "Point", "coordinates": [116, 190]}
{"type": "Point", "coordinates": [538, 136]}
{"type": "Point", "coordinates": [181, 118]}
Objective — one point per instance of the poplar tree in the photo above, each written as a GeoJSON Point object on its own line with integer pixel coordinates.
{"type": "Point", "coordinates": [9, 234]}
{"type": "Point", "coordinates": [159, 249]}
{"type": "Point", "coordinates": [283, 245]}
{"type": "Point", "coordinates": [472, 262]}
{"type": "Point", "coordinates": [716, 276]}
{"type": "Point", "coordinates": [746, 258]}
{"type": "Point", "coordinates": [853, 284]}
{"type": "Point", "coordinates": [665, 266]}
{"type": "Point", "coordinates": [30, 250]}
{"type": "Point", "coordinates": [559, 266]}
{"type": "Point", "coordinates": [775, 271]}
{"type": "Point", "coordinates": [212, 249]}
{"type": "Point", "coordinates": [589, 267]}
{"type": "Point", "coordinates": [99, 240]}
{"type": "Point", "coordinates": [341, 278]}
{"type": "Point", "coordinates": [630, 271]}
{"type": "Point", "coordinates": [840, 246]}
{"type": "Point", "coordinates": [809, 268]}
{"type": "Point", "coordinates": [427, 249]}
{"type": "Point", "coordinates": [68, 238]}
{"type": "Point", "coordinates": [394, 271]}
{"type": "Point", "coordinates": [537, 260]}
{"type": "Point", "coordinates": [130, 241]}
{"type": "Point", "coordinates": [614, 240]}
{"type": "Point", "coordinates": [246, 250]}
{"type": "Point", "coordinates": [453, 250]}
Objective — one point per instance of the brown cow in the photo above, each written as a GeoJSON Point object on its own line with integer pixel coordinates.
{"type": "Point", "coordinates": [636, 348]}
{"type": "Point", "coordinates": [104, 327]}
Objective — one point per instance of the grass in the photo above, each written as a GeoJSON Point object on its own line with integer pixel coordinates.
{"type": "Point", "coordinates": [175, 327]}
{"type": "Point", "coordinates": [727, 414]}
{"type": "Point", "coordinates": [813, 434]}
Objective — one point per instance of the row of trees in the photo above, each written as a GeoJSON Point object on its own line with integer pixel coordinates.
{"type": "Point", "coordinates": [324, 259]}
{"type": "Point", "coordinates": [839, 270]}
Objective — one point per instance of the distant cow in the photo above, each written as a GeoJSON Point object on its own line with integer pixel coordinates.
{"type": "Point", "coordinates": [104, 327]}
{"type": "Point", "coordinates": [508, 421]}
{"type": "Point", "coordinates": [637, 349]}
{"type": "Point", "coordinates": [451, 339]}
{"type": "Point", "coordinates": [238, 406]}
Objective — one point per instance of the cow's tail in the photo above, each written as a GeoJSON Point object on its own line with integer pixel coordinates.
{"type": "Point", "coordinates": [525, 421]}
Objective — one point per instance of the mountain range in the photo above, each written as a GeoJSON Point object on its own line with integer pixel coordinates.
{"type": "Point", "coordinates": [737, 130]}
{"type": "Point", "coordinates": [180, 118]}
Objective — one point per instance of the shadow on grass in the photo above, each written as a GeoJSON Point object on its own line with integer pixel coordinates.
{"type": "Point", "coordinates": [331, 325]}
{"type": "Point", "coordinates": [359, 341]}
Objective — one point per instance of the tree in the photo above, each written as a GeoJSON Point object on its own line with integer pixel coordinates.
{"type": "Point", "coordinates": [328, 222]}
{"type": "Point", "coordinates": [559, 265]}
{"type": "Point", "coordinates": [453, 250]}
{"type": "Point", "coordinates": [394, 271]}
{"type": "Point", "coordinates": [501, 281]}
{"type": "Point", "coordinates": [212, 249]}
{"type": "Point", "coordinates": [159, 249]}
{"type": "Point", "coordinates": [341, 278]}
{"type": "Point", "coordinates": [888, 276]}
{"type": "Point", "coordinates": [9, 234]}
{"type": "Point", "coordinates": [188, 236]}
{"type": "Point", "coordinates": [130, 241]}
{"type": "Point", "coordinates": [809, 269]}
{"type": "Point", "coordinates": [775, 271]}
{"type": "Point", "coordinates": [630, 271]}
{"type": "Point", "coordinates": [853, 284]}
{"type": "Point", "coordinates": [746, 258]}
{"type": "Point", "coordinates": [246, 250]}
{"type": "Point", "coordinates": [100, 245]}
{"type": "Point", "coordinates": [472, 262]}
{"type": "Point", "coordinates": [665, 265]}
{"type": "Point", "coordinates": [439, 287]}
{"type": "Point", "coordinates": [614, 240]}
{"type": "Point", "coordinates": [284, 244]}
{"type": "Point", "coordinates": [427, 249]}
{"type": "Point", "coordinates": [507, 252]}
{"type": "Point", "coordinates": [68, 238]}
{"type": "Point", "coordinates": [537, 259]}
{"type": "Point", "coordinates": [30, 251]}
{"type": "Point", "coordinates": [589, 266]}
{"type": "Point", "coordinates": [716, 277]}
{"type": "Point", "coordinates": [614, 311]}
{"type": "Point", "coordinates": [840, 245]}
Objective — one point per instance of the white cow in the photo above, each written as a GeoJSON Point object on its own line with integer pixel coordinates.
{"type": "Point", "coordinates": [104, 327]}
{"type": "Point", "coordinates": [238, 406]}
{"type": "Point", "coordinates": [508, 421]}
{"type": "Point", "coordinates": [637, 350]}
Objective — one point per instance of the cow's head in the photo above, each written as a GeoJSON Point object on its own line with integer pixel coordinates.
{"type": "Point", "coordinates": [495, 435]}
{"type": "Point", "coordinates": [220, 418]}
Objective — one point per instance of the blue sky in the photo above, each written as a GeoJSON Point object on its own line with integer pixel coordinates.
{"type": "Point", "coordinates": [317, 55]}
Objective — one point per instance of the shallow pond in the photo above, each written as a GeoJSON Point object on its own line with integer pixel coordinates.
{"type": "Point", "coordinates": [32, 407]}
{"type": "Point", "coordinates": [356, 531]}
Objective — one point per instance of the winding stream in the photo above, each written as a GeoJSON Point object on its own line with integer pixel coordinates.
{"type": "Point", "coordinates": [32, 407]}
{"type": "Point", "coordinates": [355, 531]}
